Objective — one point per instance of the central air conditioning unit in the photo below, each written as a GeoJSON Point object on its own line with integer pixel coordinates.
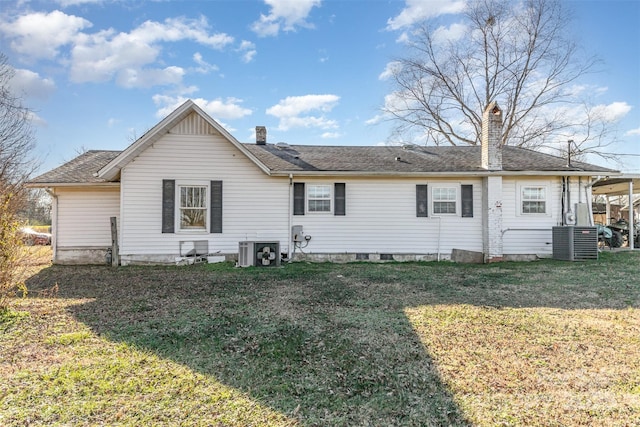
{"type": "Point", "coordinates": [259, 254]}
{"type": "Point", "coordinates": [571, 243]}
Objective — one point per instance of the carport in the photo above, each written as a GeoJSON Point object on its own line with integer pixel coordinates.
{"type": "Point", "coordinates": [621, 185]}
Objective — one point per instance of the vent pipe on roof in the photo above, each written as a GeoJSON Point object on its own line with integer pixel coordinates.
{"type": "Point", "coordinates": [261, 135]}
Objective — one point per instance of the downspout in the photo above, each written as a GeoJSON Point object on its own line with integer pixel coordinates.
{"type": "Point", "coordinates": [290, 220]}
{"type": "Point", "coordinates": [439, 235]}
{"type": "Point", "coordinates": [54, 223]}
{"type": "Point", "coordinates": [562, 201]}
{"type": "Point", "coordinates": [569, 211]}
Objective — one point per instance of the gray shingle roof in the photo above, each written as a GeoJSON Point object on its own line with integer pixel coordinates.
{"type": "Point", "coordinates": [79, 170]}
{"type": "Point", "coordinates": [284, 158]}
{"type": "Point", "coordinates": [408, 159]}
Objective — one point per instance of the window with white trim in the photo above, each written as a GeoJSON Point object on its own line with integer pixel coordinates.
{"type": "Point", "coordinates": [444, 200]}
{"type": "Point", "coordinates": [533, 199]}
{"type": "Point", "coordinates": [319, 198]}
{"type": "Point", "coordinates": [193, 207]}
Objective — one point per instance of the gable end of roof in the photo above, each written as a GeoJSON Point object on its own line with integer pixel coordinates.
{"type": "Point", "coordinates": [111, 170]}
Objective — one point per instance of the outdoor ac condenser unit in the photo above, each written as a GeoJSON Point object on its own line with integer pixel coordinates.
{"type": "Point", "coordinates": [572, 243]}
{"type": "Point", "coordinates": [259, 254]}
{"type": "Point", "coordinates": [245, 254]}
{"type": "Point", "coordinates": [267, 254]}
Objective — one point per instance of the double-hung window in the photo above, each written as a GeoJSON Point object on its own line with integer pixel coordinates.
{"type": "Point", "coordinates": [445, 200]}
{"type": "Point", "coordinates": [534, 200]}
{"type": "Point", "coordinates": [319, 198]}
{"type": "Point", "coordinates": [193, 207]}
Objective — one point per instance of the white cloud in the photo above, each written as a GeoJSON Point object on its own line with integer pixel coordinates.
{"type": "Point", "coordinates": [131, 78]}
{"type": "Point", "coordinates": [248, 50]}
{"type": "Point", "coordinates": [36, 119]}
{"type": "Point", "coordinates": [40, 35]}
{"type": "Point", "coordinates": [295, 105]}
{"type": "Point", "coordinates": [203, 66]}
{"type": "Point", "coordinates": [229, 108]}
{"type": "Point", "coordinates": [633, 132]}
{"type": "Point", "coordinates": [391, 68]}
{"type": "Point", "coordinates": [177, 29]}
{"type": "Point", "coordinates": [581, 89]}
{"type": "Point", "coordinates": [451, 33]}
{"type": "Point", "coordinates": [613, 112]}
{"type": "Point", "coordinates": [31, 85]}
{"type": "Point", "coordinates": [67, 3]}
{"type": "Point", "coordinates": [418, 10]}
{"type": "Point", "coordinates": [107, 54]}
{"type": "Point", "coordinates": [290, 111]}
{"type": "Point", "coordinates": [393, 101]}
{"type": "Point", "coordinates": [331, 135]}
{"type": "Point", "coordinates": [378, 118]}
{"type": "Point", "coordinates": [285, 15]}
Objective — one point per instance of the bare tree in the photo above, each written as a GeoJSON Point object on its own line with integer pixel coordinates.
{"type": "Point", "coordinates": [17, 142]}
{"type": "Point", "coordinates": [516, 53]}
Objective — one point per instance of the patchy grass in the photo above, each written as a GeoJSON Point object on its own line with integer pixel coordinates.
{"type": "Point", "coordinates": [545, 343]}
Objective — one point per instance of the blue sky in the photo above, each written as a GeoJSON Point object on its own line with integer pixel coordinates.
{"type": "Point", "coordinates": [99, 73]}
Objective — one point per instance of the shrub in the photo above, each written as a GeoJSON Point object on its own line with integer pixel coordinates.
{"type": "Point", "coordinates": [12, 255]}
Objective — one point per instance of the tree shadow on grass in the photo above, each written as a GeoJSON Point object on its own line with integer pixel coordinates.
{"type": "Point", "coordinates": [328, 346]}
{"type": "Point", "coordinates": [312, 346]}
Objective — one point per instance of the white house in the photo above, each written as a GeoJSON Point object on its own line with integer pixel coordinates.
{"type": "Point", "coordinates": [188, 180]}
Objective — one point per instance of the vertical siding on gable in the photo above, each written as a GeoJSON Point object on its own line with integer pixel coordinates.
{"type": "Point", "coordinates": [193, 124]}
{"type": "Point", "coordinates": [84, 217]}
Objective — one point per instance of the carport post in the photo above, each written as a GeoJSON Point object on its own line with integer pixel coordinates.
{"type": "Point", "coordinates": [631, 230]}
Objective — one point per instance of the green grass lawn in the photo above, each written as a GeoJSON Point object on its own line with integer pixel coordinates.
{"type": "Point", "coordinates": [416, 344]}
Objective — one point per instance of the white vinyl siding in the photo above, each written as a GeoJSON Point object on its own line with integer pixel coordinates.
{"type": "Point", "coordinates": [255, 206]}
{"type": "Point", "coordinates": [382, 218]}
{"type": "Point", "coordinates": [530, 233]}
{"type": "Point", "coordinates": [84, 217]}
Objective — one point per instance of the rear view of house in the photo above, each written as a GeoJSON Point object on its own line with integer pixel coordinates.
{"type": "Point", "coordinates": [188, 185]}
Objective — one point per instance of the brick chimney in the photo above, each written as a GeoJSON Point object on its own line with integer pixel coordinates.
{"type": "Point", "coordinates": [492, 239]}
{"type": "Point", "coordinates": [492, 137]}
{"type": "Point", "coordinates": [261, 135]}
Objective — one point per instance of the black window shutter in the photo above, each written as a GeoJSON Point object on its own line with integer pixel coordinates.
{"type": "Point", "coordinates": [298, 198]}
{"type": "Point", "coordinates": [422, 207]}
{"type": "Point", "coordinates": [216, 207]}
{"type": "Point", "coordinates": [339, 196]}
{"type": "Point", "coordinates": [168, 205]}
{"type": "Point", "coordinates": [467, 201]}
